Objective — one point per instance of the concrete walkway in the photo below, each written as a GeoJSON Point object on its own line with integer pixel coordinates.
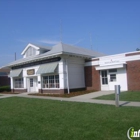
{"type": "Point", "coordinates": [93, 95]}
{"type": "Point", "coordinates": [87, 98]}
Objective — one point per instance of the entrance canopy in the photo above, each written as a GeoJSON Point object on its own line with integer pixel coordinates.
{"type": "Point", "coordinates": [47, 68]}
{"type": "Point", "coordinates": [15, 73]}
{"type": "Point", "coordinates": [109, 67]}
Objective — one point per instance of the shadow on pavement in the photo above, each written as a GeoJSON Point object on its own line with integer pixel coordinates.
{"type": "Point", "coordinates": [124, 103]}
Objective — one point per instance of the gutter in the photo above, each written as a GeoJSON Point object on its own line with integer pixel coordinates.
{"type": "Point", "coordinates": [67, 77]}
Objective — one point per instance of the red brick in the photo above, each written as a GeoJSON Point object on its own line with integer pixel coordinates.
{"type": "Point", "coordinates": [4, 81]}
{"type": "Point", "coordinates": [133, 75]}
{"type": "Point", "coordinates": [92, 78]}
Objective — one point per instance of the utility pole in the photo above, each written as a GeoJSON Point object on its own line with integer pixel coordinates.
{"type": "Point", "coordinates": [15, 56]}
{"type": "Point", "coordinates": [60, 30]}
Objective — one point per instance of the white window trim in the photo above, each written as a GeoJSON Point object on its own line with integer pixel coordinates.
{"type": "Point", "coordinates": [53, 87]}
{"type": "Point", "coordinates": [15, 83]}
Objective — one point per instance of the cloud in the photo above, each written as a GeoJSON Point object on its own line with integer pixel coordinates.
{"type": "Point", "coordinates": [39, 40]}
{"type": "Point", "coordinates": [47, 41]}
{"type": "Point", "coordinates": [21, 40]}
{"type": "Point", "coordinates": [78, 41]}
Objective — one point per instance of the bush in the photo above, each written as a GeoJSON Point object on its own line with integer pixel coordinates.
{"type": "Point", "coordinates": [5, 88]}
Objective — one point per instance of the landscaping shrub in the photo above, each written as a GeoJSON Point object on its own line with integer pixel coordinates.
{"type": "Point", "coordinates": [5, 88]}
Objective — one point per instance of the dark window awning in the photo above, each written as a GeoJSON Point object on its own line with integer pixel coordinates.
{"type": "Point", "coordinates": [47, 68]}
{"type": "Point", "coordinates": [15, 73]}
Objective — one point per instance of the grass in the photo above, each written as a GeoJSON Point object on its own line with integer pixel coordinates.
{"type": "Point", "coordinates": [72, 94]}
{"type": "Point", "coordinates": [124, 96]}
{"type": "Point", "coordinates": [39, 119]}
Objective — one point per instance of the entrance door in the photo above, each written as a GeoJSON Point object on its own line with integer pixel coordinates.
{"type": "Point", "coordinates": [104, 80]}
{"type": "Point", "coordinates": [32, 85]}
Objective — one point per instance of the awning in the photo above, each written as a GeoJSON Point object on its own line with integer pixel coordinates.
{"type": "Point", "coordinates": [109, 67]}
{"type": "Point", "coordinates": [15, 73]}
{"type": "Point", "coordinates": [47, 68]}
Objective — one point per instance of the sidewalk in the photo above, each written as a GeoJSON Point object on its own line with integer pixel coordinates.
{"type": "Point", "coordinates": [86, 98]}
{"type": "Point", "coordinates": [93, 95]}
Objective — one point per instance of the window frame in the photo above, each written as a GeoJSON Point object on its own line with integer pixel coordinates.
{"type": "Point", "coordinates": [18, 83]}
{"type": "Point", "coordinates": [104, 77]}
{"type": "Point", "coordinates": [113, 77]}
{"type": "Point", "coordinates": [50, 81]}
{"type": "Point", "coordinates": [30, 52]}
{"type": "Point", "coordinates": [112, 70]}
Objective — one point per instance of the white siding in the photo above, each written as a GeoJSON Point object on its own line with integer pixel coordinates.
{"type": "Point", "coordinates": [31, 52]}
{"type": "Point", "coordinates": [25, 71]}
{"type": "Point", "coordinates": [121, 79]}
{"type": "Point", "coordinates": [62, 74]}
{"type": "Point", "coordinates": [76, 73]}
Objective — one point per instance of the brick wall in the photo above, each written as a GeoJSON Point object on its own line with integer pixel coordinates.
{"type": "Point", "coordinates": [133, 75]}
{"type": "Point", "coordinates": [92, 78]}
{"type": "Point", "coordinates": [61, 91]}
{"type": "Point", "coordinates": [4, 81]}
{"type": "Point", "coordinates": [19, 90]}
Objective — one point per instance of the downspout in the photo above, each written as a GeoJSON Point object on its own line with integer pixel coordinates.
{"type": "Point", "coordinates": [67, 76]}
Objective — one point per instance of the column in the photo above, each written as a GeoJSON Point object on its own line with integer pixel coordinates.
{"type": "Point", "coordinates": [24, 82]}
{"type": "Point", "coordinates": [12, 83]}
{"type": "Point", "coordinates": [39, 83]}
{"type": "Point", "coordinates": [61, 75]}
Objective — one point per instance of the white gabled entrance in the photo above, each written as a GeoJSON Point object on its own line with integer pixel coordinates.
{"type": "Point", "coordinates": [32, 84]}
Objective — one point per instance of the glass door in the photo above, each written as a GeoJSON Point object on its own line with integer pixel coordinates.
{"type": "Point", "coordinates": [104, 77]}
{"type": "Point", "coordinates": [32, 84]}
{"type": "Point", "coordinates": [104, 80]}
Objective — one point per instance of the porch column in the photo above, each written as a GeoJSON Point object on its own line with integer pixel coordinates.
{"type": "Point", "coordinates": [62, 72]}
{"type": "Point", "coordinates": [12, 83]}
{"type": "Point", "coordinates": [25, 83]}
{"type": "Point", "coordinates": [39, 83]}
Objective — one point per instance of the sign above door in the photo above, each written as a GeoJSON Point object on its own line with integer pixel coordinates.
{"type": "Point", "coordinates": [31, 72]}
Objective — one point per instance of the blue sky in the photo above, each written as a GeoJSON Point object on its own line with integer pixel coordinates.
{"type": "Point", "coordinates": [112, 25]}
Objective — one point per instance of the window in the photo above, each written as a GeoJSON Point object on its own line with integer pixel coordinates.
{"type": "Point", "coordinates": [30, 52]}
{"type": "Point", "coordinates": [104, 77]}
{"type": "Point", "coordinates": [112, 77]}
{"type": "Point", "coordinates": [18, 83]}
{"type": "Point", "coordinates": [31, 82]}
{"type": "Point", "coordinates": [112, 70]}
{"type": "Point", "coordinates": [51, 81]}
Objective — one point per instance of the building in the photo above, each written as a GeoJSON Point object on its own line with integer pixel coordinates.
{"type": "Point", "coordinates": [63, 68]}
{"type": "Point", "coordinates": [103, 73]}
{"type": "Point", "coordinates": [57, 69]}
{"type": "Point", "coordinates": [4, 79]}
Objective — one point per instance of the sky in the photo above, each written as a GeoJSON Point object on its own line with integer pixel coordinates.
{"type": "Point", "coordinates": [107, 26]}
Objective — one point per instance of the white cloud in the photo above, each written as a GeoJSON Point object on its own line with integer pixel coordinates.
{"type": "Point", "coordinates": [78, 41]}
{"type": "Point", "coordinates": [21, 40]}
{"type": "Point", "coordinates": [47, 41]}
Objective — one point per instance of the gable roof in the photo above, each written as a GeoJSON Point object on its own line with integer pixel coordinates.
{"type": "Point", "coordinates": [58, 49]}
{"type": "Point", "coordinates": [69, 49]}
{"type": "Point", "coordinates": [36, 47]}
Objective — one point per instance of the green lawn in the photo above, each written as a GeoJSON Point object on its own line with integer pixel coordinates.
{"type": "Point", "coordinates": [124, 96]}
{"type": "Point", "coordinates": [39, 119]}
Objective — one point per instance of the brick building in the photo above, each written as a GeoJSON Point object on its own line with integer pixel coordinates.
{"type": "Point", "coordinates": [4, 79]}
{"type": "Point", "coordinates": [103, 73]}
{"type": "Point", "coordinates": [63, 68]}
